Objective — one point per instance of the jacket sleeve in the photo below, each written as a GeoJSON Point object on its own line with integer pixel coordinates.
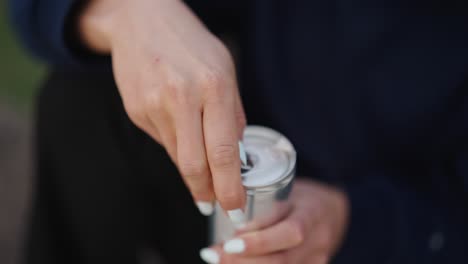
{"type": "Point", "coordinates": [41, 26]}
{"type": "Point", "coordinates": [46, 27]}
{"type": "Point", "coordinates": [395, 220]}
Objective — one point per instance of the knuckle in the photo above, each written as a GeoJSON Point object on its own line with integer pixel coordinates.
{"type": "Point", "coordinates": [226, 58]}
{"type": "Point", "coordinates": [223, 50]}
{"type": "Point", "coordinates": [240, 117]}
{"type": "Point", "coordinates": [177, 90]}
{"type": "Point", "coordinates": [296, 229]}
{"type": "Point", "coordinates": [241, 120]}
{"type": "Point", "coordinates": [211, 77]}
{"type": "Point", "coordinates": [224, 156]}
{"type": "Point", "coordinates": [193, 169]}
{"type": "Point", "coordinates": [212, 80]}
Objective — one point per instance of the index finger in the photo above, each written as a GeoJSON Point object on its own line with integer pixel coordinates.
{"type": "Point", "coordinates": [221, 143]}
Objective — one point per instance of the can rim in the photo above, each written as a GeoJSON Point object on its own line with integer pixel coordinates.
{"type": "Point", "coordinates": [281, 142]}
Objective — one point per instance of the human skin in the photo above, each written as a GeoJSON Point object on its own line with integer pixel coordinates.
{"type": "Point", "coordinates": [310, 234]}
{"type": "Point", "coordinates": [178, 84]}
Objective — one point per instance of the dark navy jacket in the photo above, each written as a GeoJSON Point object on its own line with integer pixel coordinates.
{"type": "Point", "coordinates": [373, 93]}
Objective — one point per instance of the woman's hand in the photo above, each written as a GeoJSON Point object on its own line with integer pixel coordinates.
{"type": "Point", "coordinates": [310, 234]}
{"type": "Point", "coordinates": [178, 84]}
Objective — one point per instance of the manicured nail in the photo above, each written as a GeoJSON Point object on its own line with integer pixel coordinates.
{"type": "Point", "coordinates": [237, 217]}
{"type": "Point", "coordinates": [234, 246]}
{"type": "Point", "coordinates": [209, 256]}
{"type": "Point", "coordinates": [243, 155]}
{"type": "Point", "coordinates": [206, 208]}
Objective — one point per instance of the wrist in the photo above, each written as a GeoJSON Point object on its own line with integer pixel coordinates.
{"type": "Point", "coordinates": [95, 24]}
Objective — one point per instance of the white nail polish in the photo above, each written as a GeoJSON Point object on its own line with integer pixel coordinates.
{"type": "Point", "coordinates": [234, 246]}
{"type": "Point", "coordinates": [243, 155]}
{"type": "Point", "coordinates": [237, 217]}
{"type": "Point", "coordinates": [206, 208]}
{"type": "Point", "coordinates": [209, 256]}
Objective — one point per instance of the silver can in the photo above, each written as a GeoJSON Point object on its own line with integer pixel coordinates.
{"type": "Point", "coordinates": [267, 180]}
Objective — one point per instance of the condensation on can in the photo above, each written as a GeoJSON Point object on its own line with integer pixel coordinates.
{"type": "Point", "coordinates": [267, 183]}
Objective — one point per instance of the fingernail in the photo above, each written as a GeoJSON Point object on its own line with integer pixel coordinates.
{"type": "Point", "coordinates": [206, 208]}
{"type": "Point", "coordinates": [243, 155]}
{"type": "Point", "coordinates": [235, 245]}
{"type": "Point", "coordinates": [237, 217]}
{"type": "Point", "coordinates": [209, 256]}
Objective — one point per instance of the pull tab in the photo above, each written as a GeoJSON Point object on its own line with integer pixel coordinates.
{"type": "Point", "coordinates": [246, 163]}
{"type": "Point", "coordinates": [242, 153]}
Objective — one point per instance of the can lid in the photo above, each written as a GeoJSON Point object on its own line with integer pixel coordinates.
{"type": "Point", "coordinates": [271, 156]}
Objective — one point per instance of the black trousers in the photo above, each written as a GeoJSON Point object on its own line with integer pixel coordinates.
{"type": "Point", "coordinates": [104, 192]}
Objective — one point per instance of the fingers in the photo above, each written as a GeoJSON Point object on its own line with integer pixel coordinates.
{"type": "Point", "coordinates": [221, 142]}
{"type": "Point", "coordinates": [211, 255]}
{"type": "Point", "coordinates": [286, 234]}
{"type": "Point", "coordinates": [203, 142]}
{"type": "Point", "coordinates": [270, 245]}
{"type": "Point", "coordinates": [215, 255]}
{"type": "Point", "coordinates": [192, 161]}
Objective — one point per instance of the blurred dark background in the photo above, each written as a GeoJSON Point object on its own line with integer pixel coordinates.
{"type": "Point", "coordinates": [19, 79]}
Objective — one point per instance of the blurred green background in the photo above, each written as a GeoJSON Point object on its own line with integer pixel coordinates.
{"type": "Point", "coordinates": [20, 77]}
{"type": "Point", "coordinates": [19, 73]}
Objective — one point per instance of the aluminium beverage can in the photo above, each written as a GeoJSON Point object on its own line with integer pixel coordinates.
{"type": "Point", "coordinates": [268, 181]}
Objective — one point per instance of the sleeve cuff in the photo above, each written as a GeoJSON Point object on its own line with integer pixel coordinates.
{"type": "Point", "coordinates": [58, 28]}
